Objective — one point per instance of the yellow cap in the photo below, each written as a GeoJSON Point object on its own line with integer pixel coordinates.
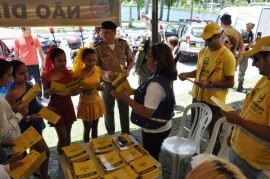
{"type": "Point", "coordinates": [262, 45]}
{"type": "Point", "coordinates": [210, 30]}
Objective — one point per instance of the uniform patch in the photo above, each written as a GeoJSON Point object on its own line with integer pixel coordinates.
{"type": "Point", "coordinates": [103, 52]}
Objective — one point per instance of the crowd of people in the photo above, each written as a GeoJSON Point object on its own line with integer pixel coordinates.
{"type": "Point", "coordinates": [153, 102]}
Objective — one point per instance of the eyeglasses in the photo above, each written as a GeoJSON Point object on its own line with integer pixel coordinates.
{"type": "Point", "coordinates": [211, 38]}
{"type": "Point", "coordinates": [257, 56]}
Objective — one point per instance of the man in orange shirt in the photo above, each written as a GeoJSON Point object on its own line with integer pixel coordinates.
{"type": "Point", "coordinates": [26, 50]}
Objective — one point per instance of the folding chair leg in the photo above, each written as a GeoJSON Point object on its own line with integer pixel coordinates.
{"type": "Point", "coordinates": [175, 167]}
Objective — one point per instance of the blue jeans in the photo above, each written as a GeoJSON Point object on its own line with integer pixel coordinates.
{"type": "Point", "coordinates": [246, 168]}
{"type": "Point", "coordinates": [33, 72]}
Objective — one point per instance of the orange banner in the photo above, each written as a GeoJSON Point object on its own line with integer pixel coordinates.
{"type": "Point", "coordinates": [38, 13]}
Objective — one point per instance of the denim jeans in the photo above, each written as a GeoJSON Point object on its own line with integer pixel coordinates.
{"type": "Point", "coordinates": [33, 72]}
{"type": "Point", "coordinates": [246, 168]}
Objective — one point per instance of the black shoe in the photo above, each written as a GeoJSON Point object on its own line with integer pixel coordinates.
{"type": "Point", "coordinates": [240, 87]}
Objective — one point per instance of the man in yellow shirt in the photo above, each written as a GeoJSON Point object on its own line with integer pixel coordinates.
{"type": "Point", "coordinates": [250, 139]}
{"type": "Point", "coordinates": [214, 74]}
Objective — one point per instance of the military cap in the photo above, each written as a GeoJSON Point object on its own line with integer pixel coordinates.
{"type": "Point", "coordinates": [108, 25]}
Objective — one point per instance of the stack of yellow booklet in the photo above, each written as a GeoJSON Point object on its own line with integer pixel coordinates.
{"type": "Point", "coordinates": [145, 167]}
{"type": "Point", "coordinates": [118, 143]}
{"type": "Point", "coordinates": [75, 153]}
{"type": "Point", "coordinates": [125, 173]}
{"type": "Point", "coordinates": [31, 162]}
{"type": "Point", "coordinates": [85, 169]}
{"type": "Point", "coordinates": [26, 140]}
{"type": "Point", "coordinates": [101, 145]}
{"type": "Point", "coordinates": [132, 153]}
{"type": "Point", "coordinates": [110, 161]}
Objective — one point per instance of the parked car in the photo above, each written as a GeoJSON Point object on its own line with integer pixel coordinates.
{"type": "Point", "coordinates": [5, 52]}
{"type": "Point", "coordinates": [190, 41]}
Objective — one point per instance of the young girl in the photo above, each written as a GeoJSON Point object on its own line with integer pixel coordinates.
{"type": "Point", "coordinates": [90, 107]}
{"type": "Point", "coordinates": [56, 70]}
{"type": "Point", "coordinates": [19, 87]}
{"type": "Point", "coordinates": [8, 120]}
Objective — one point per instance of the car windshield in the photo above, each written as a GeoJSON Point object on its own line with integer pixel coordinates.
{"type": "Point", "coordinates": [197, 31]}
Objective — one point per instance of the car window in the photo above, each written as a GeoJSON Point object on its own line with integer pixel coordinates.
{"type": "Point", "coordinates": [171, 29]}
{"type": "Point", "coordinates": [197, 31]}
{"type": "Point", "coordinates": [184, 30]}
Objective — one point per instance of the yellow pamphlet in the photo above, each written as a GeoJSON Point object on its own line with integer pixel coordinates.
{"type": "Point", "coordinates": [26, 140]}
{"type": "Point", "coordinates": [120, 145]}
{"type": "Point", "coordinates": [31, 162]}
{"type": "Point", "coordinates": [121, 84]}
{"type": "Point", "coordinates": [30, 95]}
{"type": "Point", "coordinates": [132, 153]}
{"type": "Point", "coordinates": [49, 115]}
{"type": "Point", "coordinates": [222, 105]}
{"type": "Point", "coordinates": [101, 145]}
{"type": "Point", "coordinates": [145, 167]}
{"type": "Point", "coordinates": [75, 153]}
{"type": "Point", "coordinates": [85, 169]}
{"type": "Point", "coordinates": [88, 86]}
{"type": "Point", "coordinates": [110, 161]}
{"type": "Point", "coordinates": [65, 90]}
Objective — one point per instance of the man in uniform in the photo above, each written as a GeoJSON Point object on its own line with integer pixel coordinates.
{"type": "Point", "coordinates": [248, 37]}
{"type": "Point", "coordinates": [214, 74]}
{"type": "Point", "coordinates": [111, 53]}
{"type": "Point", "coordinates": [250, 139]}
{"type": "Point", "coordinates": [229, 30]}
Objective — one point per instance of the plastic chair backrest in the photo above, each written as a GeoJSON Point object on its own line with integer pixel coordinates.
{"type": "Point", "coordinates": [223, 152]}
{"type": "Point", "coordinates": [202, 117]}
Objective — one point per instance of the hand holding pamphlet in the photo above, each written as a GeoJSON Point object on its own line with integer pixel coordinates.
{"type": "Point", "coordinates": [26, 140]}
{"type": "Point", "coordinates": [49, 115]}
{"type": "Point", "coordinates": [31, 163]}
{"type": "Point", "coordinates": [30, 95]}
{"type": "Point", "coordinates": [222, 105]}
{"type": "Point", "coordinates": [65, 90]}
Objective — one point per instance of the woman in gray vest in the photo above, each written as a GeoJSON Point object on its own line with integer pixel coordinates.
{"type": "Point", "coordinates": [152, 106]}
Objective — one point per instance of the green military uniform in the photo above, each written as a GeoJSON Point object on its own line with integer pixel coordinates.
{"type": "Point", "coordinates": [110, 60]}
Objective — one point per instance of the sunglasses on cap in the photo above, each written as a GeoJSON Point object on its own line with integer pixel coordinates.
{"type": "Point", "coordinates": [211, 38]}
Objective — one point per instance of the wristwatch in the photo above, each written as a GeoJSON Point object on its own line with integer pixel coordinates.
{"type": "Point", "coordinates": [27, 118]}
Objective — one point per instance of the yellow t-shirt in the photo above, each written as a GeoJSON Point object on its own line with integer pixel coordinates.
{"type": "Point", "coordinates": [256, 107]}
{"type": "Point", "coordinates": [213, 66]}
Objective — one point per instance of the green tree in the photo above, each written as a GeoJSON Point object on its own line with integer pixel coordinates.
{"type": "Point", "coordinates": [140, 5]}
{"type": "Point", "coordinates": [161, 10]}
{"type": "Point", "coordinates": [147, 6]}
{"type": "Point", "coordinates": [169, 3]}
{"type": "Point", "coordinates": [129, 2]}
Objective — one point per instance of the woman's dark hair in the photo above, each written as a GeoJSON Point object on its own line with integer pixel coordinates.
{"type": "Point", "coordinates": [165, 66]}
{"type": "Point", "coordinates": [15, 65]}
{"type": "Point", "coordinates": [55, 52]}
{"type": "Point", "coordinates": [4, 67]}
{"type": "Point", "coordinates": [233, 42]}
{"type": "Point", "coordinates": [88, 51]}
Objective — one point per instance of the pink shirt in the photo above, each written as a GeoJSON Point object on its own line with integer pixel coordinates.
{"type": "Point", "coordinates": [27, 49]}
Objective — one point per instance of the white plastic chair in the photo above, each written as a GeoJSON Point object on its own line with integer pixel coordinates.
{"type": "Point", "coordinates": [207, 155]}
{"type": "Point", "coordinates": [179, 147]}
